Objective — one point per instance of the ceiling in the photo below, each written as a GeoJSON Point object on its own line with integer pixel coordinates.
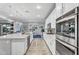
{"type": "Point", "coordinates": [26, 12]}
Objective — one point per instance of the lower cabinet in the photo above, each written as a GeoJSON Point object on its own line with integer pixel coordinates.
{"type": "Point", "coordinates": [19, 46]}
{"type": "Point", "coordinates": [5, 48]}
{"type": "Point", "coordinates": [50, 41]}
{"type": "Point", "coordinates": [13, 46]}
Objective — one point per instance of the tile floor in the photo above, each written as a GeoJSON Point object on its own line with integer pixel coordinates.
{"type": "Point", "coordinates": [38, 47]}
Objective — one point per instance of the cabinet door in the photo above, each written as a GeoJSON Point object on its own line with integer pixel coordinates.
{"type": "Point", "coordinates": [50, 41]}
{"type": "Point", "coordinates": [5, 47]}
{"type": "Point", "coordinates": [18, 47]}
{"type": "Point", "coordinates": [69, 6]}
{"type": "Point", "coordinates": [59, 9]}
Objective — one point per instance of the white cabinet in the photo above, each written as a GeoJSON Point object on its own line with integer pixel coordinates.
{"type": "Point", "coordinates": [13, 47]}
{"type": "Point", "coordinates": [5, 47]}
{"type": "Point", "coordinates": [58, 10]}
{"type": "Point", "coordinates": [62, 8]}
{"type": "Point", "coordinates": [13, 44]}
{"type": "Point", "coordinates": [19, 46]}
{"type": "Point", "coordinates": [69, 6]}
{"type": "Point", "coordinates": [50, 40]}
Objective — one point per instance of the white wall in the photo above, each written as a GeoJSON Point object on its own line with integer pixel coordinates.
{"type": "Point", "coordinates": [51, 19]}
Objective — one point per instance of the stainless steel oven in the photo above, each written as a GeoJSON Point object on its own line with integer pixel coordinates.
{"type": "Point", "coordinates": [67, 30]}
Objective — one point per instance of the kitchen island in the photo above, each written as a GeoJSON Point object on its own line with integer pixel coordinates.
{"type": "Point", "coordinates": [14, 44]}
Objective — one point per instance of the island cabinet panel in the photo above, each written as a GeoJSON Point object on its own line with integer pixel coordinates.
{"type": "Point", "coordinates": [5, 47]}
{"type": "Point", "coordinates": [14, 44]}
{"type": "Point", "coordinates": [19, 47]}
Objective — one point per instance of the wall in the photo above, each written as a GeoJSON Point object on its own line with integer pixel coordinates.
{"type": "Point", "coordinates": [51, 19]}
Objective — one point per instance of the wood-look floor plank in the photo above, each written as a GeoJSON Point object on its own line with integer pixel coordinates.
{"type": "Point", "coordinates": [38, 47]}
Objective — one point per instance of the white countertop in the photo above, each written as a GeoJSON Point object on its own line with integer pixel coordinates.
{"type": "Point", "coordinates": [14, 36]}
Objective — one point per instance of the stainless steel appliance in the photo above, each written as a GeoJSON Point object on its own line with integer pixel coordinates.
{"type": "Point", "coordinates": [67, 33]}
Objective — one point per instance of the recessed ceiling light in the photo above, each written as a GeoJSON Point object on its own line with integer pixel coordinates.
{"type": "Point", "coordinates": [38, 15]}
{"type": "Point", "coordinates": [38, 7]}
{"type": "Point", "coordinates": [11, 15]}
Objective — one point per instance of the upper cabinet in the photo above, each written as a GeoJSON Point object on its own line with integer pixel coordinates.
{"type": "Point", "coordinates": [68, 6]}
{"type": "Point", "coordinates": [62, 8]}
{"type": "Point", "coordinates": [58, 10]}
